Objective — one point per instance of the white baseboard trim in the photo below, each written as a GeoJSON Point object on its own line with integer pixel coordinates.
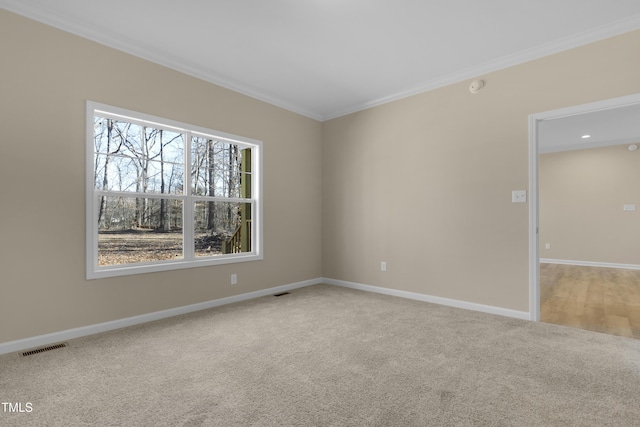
{"type": "Point", "coordinates": [428, 298]}
{"type": "Point", "coordinates": [590, 263]}
{"type": "Point", "coordinates": [56, 337]}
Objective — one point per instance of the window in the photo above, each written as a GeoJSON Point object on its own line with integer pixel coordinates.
{"type": "Point", "coordinates": [164, 195]}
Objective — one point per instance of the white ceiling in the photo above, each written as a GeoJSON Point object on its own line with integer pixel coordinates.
{"type": "Point", "coordinates": [327, 58]}
{"type": "Point", "coordinates": [613, 126]}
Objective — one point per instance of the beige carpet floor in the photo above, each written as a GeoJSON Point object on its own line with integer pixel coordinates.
{"type": "Point", "coordinates": [330, 356]}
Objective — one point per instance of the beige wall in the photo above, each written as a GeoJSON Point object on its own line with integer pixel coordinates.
{"type": "Point", "coordinates": [45, 78]}
{"type": "Point", "coordinates": [425, 183]}
{"type": "Point", "coordinates": [582, 195]}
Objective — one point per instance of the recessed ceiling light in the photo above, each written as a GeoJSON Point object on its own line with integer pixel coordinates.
{"type": "Point", "coordinates": [586, 136]}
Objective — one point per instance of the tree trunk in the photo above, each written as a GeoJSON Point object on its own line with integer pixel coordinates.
{"type": "Point", "coordinates": [233, 151]}
{"type": "Point", "coordinates": [211, 186]}
{"type": "Point", "coordinates": [164, 220]}
{"type": "Point", "coordinates": [105, 178]}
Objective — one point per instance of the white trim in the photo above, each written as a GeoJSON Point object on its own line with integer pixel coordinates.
{"type": "Point", "coordinates": [432, 299]}
{"type": "Point", "coordinates": [90, 216]}
{"type": "Point", "coordinates": [148, 53]}
{"type": "Point", "coordinates": [145, 52]}
{"type": "Point", "coordinates": [534, 266]}
{"type": "Point", "coordinates": [534, 260]}
{"type": "Point", "coordinates": [590, 263]}
{"type": "Point", "coordinates": [583, 146]}
{"type": "Point", "coordinates": [141, 118]}
{"type": "Point", "coordinates": [26, 343]}
{"type": "Point", "coordinates": [94, 271]}
{"type": "Point", "coordinates": [606, 31]}
{"type": "Point", "coordinates": [55, 337]}
{"type": "Point", "coordinates": [576, 110]}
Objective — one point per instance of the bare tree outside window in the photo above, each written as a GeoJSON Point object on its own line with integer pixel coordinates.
{"type": "Point", "coordinates": [165, 194]}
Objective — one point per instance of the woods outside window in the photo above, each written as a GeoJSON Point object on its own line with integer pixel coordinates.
{"type": "Point", "coordinates": [165, 195]}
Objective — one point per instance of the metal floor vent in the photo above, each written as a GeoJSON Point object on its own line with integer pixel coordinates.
{"type": "Point", "coordinates": [280, 294]}
{"type": "Point", "coordinates": [43, 349]}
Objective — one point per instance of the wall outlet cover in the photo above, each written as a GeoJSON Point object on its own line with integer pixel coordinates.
{"type": "Point", "coordinates": [519, 196]}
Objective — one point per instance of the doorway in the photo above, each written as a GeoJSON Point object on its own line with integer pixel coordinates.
{"type": "Point", "coordinates": [609, 124]}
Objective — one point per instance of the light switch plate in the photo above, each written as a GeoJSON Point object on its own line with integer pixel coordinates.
{"type": "Point", "coordinates": [519, 196]}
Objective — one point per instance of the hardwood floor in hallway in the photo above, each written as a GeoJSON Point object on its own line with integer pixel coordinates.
{"type": "Point", "coordinates": [593, 298]}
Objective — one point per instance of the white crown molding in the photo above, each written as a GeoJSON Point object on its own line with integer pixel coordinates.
{"type": "Point", "coordinates": [600, 33]}
{"type": "Point", "coordinates": [573, 147]}
{"type": "Point", "coordinates": [95, 34]}
{"type": "Point", "coordinates": [126, 45]}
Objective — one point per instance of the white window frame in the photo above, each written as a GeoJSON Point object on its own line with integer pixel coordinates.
{"type": "Point", "coordinates": [189, 260]}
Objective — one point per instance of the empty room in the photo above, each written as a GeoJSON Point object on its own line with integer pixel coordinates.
{"type": "Point", "coordinates": [152, 272]}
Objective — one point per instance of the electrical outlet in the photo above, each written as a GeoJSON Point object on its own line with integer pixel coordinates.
{"type": "Point", "coordinates": [519, 196]}
{"type": "Point", "coordinates": [547, 246]}
{"type": "Point", "coordinates": [383, 266]}
{"type": "Point", "coordinates": [234, 279]}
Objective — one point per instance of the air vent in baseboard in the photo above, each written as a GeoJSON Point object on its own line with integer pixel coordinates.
{"type": "Point", "coordinates": [280, 294]}
{"type": "Point", "coordinates": [43, 349]}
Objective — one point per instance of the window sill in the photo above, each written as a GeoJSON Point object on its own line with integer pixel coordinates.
{"type": "Point", "coordinates": [131, 269]}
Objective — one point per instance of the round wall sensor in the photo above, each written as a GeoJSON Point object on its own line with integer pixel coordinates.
{"type": "Point", "coordinates": [476, 86]}
{"type": "Point", "coordinates": [633, 147]}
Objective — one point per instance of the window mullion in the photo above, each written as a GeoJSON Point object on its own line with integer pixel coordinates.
{"type": "Point", "coordinates": [188, 245]}
{"type": "Point", "coordinates": [134, 194]}
{"type": "Point", "coordinates": [222, 199]}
